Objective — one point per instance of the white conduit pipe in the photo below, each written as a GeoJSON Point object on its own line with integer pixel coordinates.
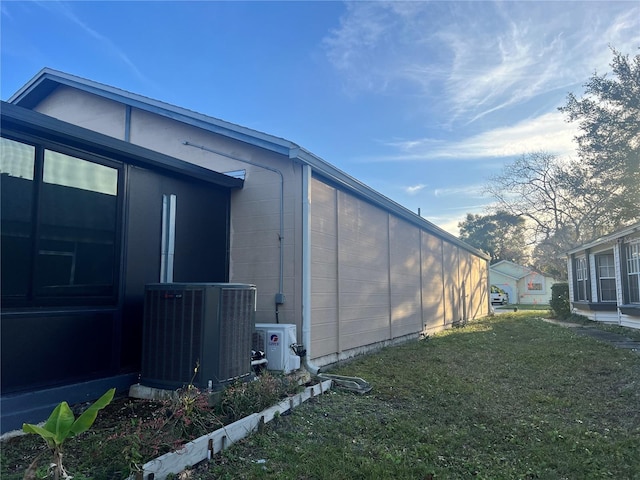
{"type": "Point", "coordinates": [306, 268]}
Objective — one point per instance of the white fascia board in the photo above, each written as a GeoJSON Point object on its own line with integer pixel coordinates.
{"type": "Point", "coordinates": [607, 238]}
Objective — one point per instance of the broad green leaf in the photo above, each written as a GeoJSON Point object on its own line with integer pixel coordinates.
{"type": "Point", "coordinates": [60, 422]}
{"type": "Point", "coordinates": [45, 434]}
{"type": "Point", "coordinates": [85, 420]}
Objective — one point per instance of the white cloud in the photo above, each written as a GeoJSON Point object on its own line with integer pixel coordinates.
{"type": "Point", "coordinates": [468, 191]}
{"type": "Point", "coordinates": [548, 132]}
{"type": "Point", "coordinates": [472, 59]}
{"type": "Point", "coordinates": [413, 190]}
{"type": "Point", "coordinates": [109, 45]}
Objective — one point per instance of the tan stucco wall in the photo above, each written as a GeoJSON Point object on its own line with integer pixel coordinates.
{"type": "Point", "coordinates": [376, 278]}
{"type": "Point", "coordinates": [86, 110]}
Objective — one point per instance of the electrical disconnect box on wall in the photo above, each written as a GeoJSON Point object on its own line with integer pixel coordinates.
{"type": "Point", "coordinates": [277, 340]}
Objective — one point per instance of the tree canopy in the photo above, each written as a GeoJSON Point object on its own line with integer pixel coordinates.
{"type": "Point", "coordinates": [564, 202]}
{"type": "Point", "coordinates": [608, 115]}
{"type": "Point", "coordinates": [500, 235]}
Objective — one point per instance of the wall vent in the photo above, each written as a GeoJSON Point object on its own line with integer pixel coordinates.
{"type": "Point", "coordinates": [189, 324]}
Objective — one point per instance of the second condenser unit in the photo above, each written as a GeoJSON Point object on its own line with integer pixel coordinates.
{"type": "Point", "coordinates": [277, 340]}
{"type": "Point", "coordinates": [197, 333]}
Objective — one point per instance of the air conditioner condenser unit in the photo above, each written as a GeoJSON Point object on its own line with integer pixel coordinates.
{"type": "Point", "coordinates": [277, 340]}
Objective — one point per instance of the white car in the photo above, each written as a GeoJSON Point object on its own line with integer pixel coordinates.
{"type": "Point", "coordinates": [499, 296]}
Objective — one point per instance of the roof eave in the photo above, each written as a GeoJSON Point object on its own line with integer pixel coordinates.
{"type": "Point", "coordinates": [337, 176]}
{"type": "Point", "coordinates": [606, 239]}
{"type": "Point", "coordinates": [27, 121]}
{"type": "Point", "coordinates": [41, 85]}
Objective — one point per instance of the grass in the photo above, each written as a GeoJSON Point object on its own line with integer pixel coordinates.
{"type": "Point", "coordinates": [510, 397]}
{"type": "Point", "coordinates": [506, 397]}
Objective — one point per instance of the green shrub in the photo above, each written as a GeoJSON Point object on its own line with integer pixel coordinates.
{"type": "Point", "coordinates": [559, 303]}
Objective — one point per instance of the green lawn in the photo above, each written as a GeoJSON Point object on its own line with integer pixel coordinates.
{"type": "Point", "coordinates": [510, 397]}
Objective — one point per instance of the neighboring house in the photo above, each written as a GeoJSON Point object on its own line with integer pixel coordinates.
{"type": "Point", "coordinates": [86, 169]}
{"type": "Point", "coordinates": [604, 278]}
{"type": "Point", "coordinates": [522, 284]}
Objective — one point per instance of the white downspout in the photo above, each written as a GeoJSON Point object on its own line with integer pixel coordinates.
{"type": "Point", "coordinates": [306, 268]}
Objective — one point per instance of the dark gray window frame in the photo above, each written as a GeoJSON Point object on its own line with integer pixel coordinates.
{"type": "Point", "coordinates": [32, 298]}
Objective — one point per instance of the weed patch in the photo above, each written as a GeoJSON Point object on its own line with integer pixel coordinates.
{"type": "Point", "coordinates": [129, 432]}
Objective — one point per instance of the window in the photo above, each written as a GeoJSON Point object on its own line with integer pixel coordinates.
{"type": "Point", "coordinates": [633, 271]}
{"type": "Point", "coordinates": [534, 286]}
{"type": "Point", "coordinates": [17, 161]}
{"type": "Point", "coordinates": [581, 279]}
{"type": "Point", "coordinates": [606, 272]}
{"type": "Point", "coordinates": [63, 246]}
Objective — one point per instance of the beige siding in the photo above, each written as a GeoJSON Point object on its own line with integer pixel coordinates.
{"type": "Point", "coordinates": [479, 288]}
{"type": "Point", "coordinates": [432, 282]}
{"type": "Point", "coordinates": [376, 278]}
{"type": "Point", "coordinates": [406, 314]}
{"type": "Point", "coordinates": [465, 288]}
{"type": "Point", "coordinates": [324, 265]}
{"type": "Point", "coordinates": [363, 266]}
{"type": "Point", "coordinates": [450, 262]}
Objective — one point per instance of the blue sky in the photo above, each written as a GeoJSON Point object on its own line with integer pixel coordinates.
{"type": "Point", "coordinates": [422, 101]}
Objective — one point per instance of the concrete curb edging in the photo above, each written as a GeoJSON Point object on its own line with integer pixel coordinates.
{"type": "Point", "coordinates": [205, 447]}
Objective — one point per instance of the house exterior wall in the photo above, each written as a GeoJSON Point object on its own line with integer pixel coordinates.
{"type": "Point", "coordinates": [620, 312]}
{"type": "Point", "coordinates": [376, 278]}
{"type": "Point", "coordinates": [432, 273]}
{"type": "Point", "coordinates": [521, 283]}
{"type": "Point", "coordinates": [86, 110]}
{"type": "Point", "coordinates": [533, 297]}
{"type": "Point", "coordinates": [255, 209]}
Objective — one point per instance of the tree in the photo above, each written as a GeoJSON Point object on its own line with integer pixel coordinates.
{"type": "Point", "coordinates": [609, 141]}
{"type": "Point", "coordinates": [566, 202]}
{"type": "Point", "coordinates": [500, 235]}
{"type": "Point", "coordinates": [558, 201]}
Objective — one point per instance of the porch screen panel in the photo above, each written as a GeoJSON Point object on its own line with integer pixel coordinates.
{"type": "Point", "coordinates": [451, 283]}
{"type": "Point", "coordinates": [633, 272]}
{"type": "Point", "coordinates": [606, 274]}
{"type": "Point", "coordinates": [17, 162]}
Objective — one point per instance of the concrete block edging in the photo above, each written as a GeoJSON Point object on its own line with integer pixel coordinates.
{"type": "Point", "coordinates": [205, 447]}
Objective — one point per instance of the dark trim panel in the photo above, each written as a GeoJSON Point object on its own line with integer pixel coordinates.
{"type": "Point", "coordinates": [35, 407]}
{"type": "Point", "coordinates": [632, 310]}
{"type": "Point", "coordinates": [595, 307]}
